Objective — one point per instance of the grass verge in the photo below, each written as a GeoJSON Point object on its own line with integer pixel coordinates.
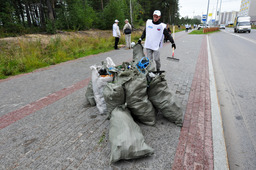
{"type": "Point", "coordinates": [27, 55]}
{"type": "Point", "coordinates": [201, 32]}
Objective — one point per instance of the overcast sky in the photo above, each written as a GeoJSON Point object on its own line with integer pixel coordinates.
{"type": "Point", "coordinates": [192, 8]}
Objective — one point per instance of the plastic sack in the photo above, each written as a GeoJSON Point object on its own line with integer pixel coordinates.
{"type": "Point", "coordinates": [164, 101]}
{"type": "Point", "coordinates": [138, 54]}
{"type": "Point", "coordinates": [125, 136]}
{"type": "Point", "coordinates": [90, 95]}
{"type": "Point", "coordinates": [98, 84]}
{"type": "Point", "coordinates": [137, 100]}
{"type": "Point", "coordinates": [114, 96]}
{"type": "Point", "coordinates": [110, 62]}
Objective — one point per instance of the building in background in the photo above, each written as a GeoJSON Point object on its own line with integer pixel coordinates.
{"type": "Point", "coordinates": [248, 8]}
{"type": "Point", "coordinates": [197, 17]}
{"type": "Point", "coordinates": [228, 17]}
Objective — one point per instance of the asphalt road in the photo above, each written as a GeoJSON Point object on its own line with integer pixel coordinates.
{"type": "Point", "coordinates": [234, 59]}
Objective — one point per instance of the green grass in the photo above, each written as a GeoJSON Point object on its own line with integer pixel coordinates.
{"type": "Point", "coordinates": [25, 56]}
{"type": "Point", "coordinates": [102, 138]}
{"type": "Point", "coordinates": [201, 32]}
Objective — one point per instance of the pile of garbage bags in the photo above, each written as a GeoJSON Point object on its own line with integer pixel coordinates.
{"type": "Point", "coordinates": [131, 91]}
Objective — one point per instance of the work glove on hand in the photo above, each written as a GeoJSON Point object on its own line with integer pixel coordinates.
{"type": "Point", "coordinates": [173, 46]}
{"type": "Point", "coordinates": [139, 42]}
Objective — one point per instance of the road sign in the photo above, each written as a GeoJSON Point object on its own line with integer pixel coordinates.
{"type": "Point", "coordinates": [204, 17]}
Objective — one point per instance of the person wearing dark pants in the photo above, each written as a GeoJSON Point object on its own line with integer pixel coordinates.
{"type": "Point", "coordinates": [116, 43]}
{"type": "Point", "coordinates": [116, 34]}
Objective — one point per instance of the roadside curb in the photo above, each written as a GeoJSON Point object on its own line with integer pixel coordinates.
{"type": "Point", "coordinates": [201, 141]}
{"type": "Point", "coordinates": [219, 146]}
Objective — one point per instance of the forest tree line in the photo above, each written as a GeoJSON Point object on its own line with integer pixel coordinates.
{"type": "Point", "coordinates": [22, 16]}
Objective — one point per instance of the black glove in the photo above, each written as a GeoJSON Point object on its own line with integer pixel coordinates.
{"type": "Point", "coordinates": [173, 46]}
{"type": "Point", "coordinates": [139, 42]}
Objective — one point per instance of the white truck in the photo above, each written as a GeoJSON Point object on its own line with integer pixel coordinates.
{"type": "Point", "coordinates": [242, 24]}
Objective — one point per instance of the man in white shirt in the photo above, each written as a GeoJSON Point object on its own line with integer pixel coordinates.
{"type": "Point", "coordinates": [116, 33]}
{"type": "Point", "coordinates": [155, 32]}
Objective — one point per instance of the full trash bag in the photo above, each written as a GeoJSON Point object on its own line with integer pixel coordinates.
{"type": "Point", "coordinates": [125, 136]}
{"type": "Point", "coordinates": [114, 96]}
{"type": "Point", "coordinates": [90, 95]}
{"type": "Point", "coordinates": [163, 100]}
{"type": "Point", "coordinates": [98, 84]}
{"type": "Point", "coordinates": [137, 100]}
{"type": "Point", "coordinates": [138, 55]}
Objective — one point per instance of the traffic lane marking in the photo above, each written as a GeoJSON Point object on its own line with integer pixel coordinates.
{"type": "Point", "coordinates": [241, 37]}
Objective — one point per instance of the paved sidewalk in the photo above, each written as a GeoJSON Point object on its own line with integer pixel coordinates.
{"type": "Point", "coordinates": [195, 148]}
{"type": "Point", "coordinates": [53, 129]}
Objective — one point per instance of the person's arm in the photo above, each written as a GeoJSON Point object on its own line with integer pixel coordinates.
{"type": "Point", "coordinates": [169, 37]}
{"type": "Point", "coordinates": [142, 36]}
{"type": "Point", "coordinates": [125, 26]}
{"type": "Point", "coordinates": [118, 31]}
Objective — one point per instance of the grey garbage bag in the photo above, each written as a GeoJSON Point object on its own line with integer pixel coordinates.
{"type": "Point", "coordinates": [98, 84]}
{"type": "Point", "coordinates": [125, 136]}
{"type": "Point", "coordinates": [89, 94]}
{"type": "Point", "coordinates": [164, 101]}
{"type": "Point", "coordinates": [114, 96]}
{"type": "Point", "coordinates": [137, 100]}
{"type": "Point", "coordinates": [138, 54]}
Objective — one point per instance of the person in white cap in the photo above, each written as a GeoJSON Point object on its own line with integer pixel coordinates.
{"type": "Point", "coordinates": [116, 33]}
{"type": "Point", "coordinates": [155, 32]}
{"type": "Point", "coordinates": [127, 31]}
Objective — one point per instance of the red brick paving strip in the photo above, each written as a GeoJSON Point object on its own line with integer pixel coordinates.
{"type": "Point", "coordinates": [195, 147]}
{"type": "Point", "coordinates": [16, 115]}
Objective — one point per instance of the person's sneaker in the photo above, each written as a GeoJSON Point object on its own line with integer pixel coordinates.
{"type": "Point", "coordinates": [117, 49]}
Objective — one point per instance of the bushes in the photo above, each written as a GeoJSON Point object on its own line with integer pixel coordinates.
{"type": "Point", "coordinates": [206, 30]}
{"type": "Point", "coordinates": [27, 55]}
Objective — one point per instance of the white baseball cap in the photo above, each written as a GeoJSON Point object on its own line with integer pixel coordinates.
{"type": "Point", "coordinates": [116, 20]}
{"type": "Point", "coordinates": [157, 12]}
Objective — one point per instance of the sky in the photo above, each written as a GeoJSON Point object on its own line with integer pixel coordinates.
{"type": "Point", "coordinates": [192, 8]}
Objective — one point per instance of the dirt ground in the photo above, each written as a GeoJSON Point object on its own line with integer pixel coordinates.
{"type": "Point", "coordinates": [45, 38]}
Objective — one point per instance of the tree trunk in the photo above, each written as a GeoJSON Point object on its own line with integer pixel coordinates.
{"type": "Point", "coordinates": [50, 10]}
{"type": "Point", "coordinates": [102, 5]}
{"type": "Point", "coordinates": [42, 18]}
{"type": "Point", "coordinates": [21, 12]}
{"type": "Point", "coordinates": [28, 14]}
{"type": "Point", "coordinates": [32, 15]}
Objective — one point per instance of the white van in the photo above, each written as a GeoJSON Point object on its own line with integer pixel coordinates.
{"type": "Point", "coordinates": [242, 24]}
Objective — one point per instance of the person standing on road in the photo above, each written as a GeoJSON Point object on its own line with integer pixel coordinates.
{"type": "Point", "coordinates": [116, 33]}
{"type": "Point", "coordinates": [127, 31]}
{"type": "Point", "coordinates": [186, 27]}
{"type": "Point", "coordinates": [155, 32]}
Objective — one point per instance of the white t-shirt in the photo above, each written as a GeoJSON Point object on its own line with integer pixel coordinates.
{"type": "Point", "coordinates": [116, 31]}
{"type": "Point", "coordinates": [154, 35]}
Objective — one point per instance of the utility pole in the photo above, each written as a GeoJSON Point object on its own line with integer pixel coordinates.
{"type": "Point", "coordinates": [207, 11]}
{"type": "Point", "coordinates": [216, 14]}
{"type": "Point", "coordinates": [131, 11]}
{"type": "Point", "coordinates": [220, 12]}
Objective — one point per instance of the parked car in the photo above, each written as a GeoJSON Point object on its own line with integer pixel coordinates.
{"type": "Point", "coordinates": [222, 26]}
